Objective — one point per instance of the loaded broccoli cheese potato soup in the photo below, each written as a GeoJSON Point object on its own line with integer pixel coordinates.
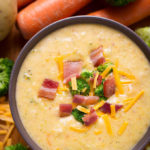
{"type": "Point", "coordinates": [85, 87]}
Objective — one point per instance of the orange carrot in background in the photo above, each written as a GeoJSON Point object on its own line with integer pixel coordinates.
{"type": "Point", "coordinates": [126, 15]}
{"type": "Point", "coordinates": [43, 12]}
{"type": "Point", "coordinates": [22, 3]}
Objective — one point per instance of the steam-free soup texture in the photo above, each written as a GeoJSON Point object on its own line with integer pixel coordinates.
{"type": "Point", "coordinates": [40, 116]}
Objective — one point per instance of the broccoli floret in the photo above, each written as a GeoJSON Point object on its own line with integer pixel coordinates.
{"type": "Point", "coordinates": [119, 2]}
{"type": "Point", "coordinates": [78, 115]}
{"type": "Point", "coordinates": [102, 67]}
{"type": "Point", "coordinates": [86, 74]}
{"type": "Point", "coordinates": [83, 87]}
{"type": "Point", "coordinates": [5, 71]}
{"type": "Point", "coordinates": [99, 91]}
{"type": "Point", "coordinates": [144, 33]}
{"type": "Point", "coordinates": [16, 147]}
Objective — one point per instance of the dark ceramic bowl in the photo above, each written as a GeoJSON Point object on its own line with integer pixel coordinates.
{"type": "Point", "coordinates": [40, 35]}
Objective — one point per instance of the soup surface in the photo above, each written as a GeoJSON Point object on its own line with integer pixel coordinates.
{"type": "Point", "coordinates": [40, 116]}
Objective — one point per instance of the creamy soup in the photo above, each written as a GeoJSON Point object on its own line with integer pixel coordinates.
{"type": "Point", "coordinates": [113, 129]}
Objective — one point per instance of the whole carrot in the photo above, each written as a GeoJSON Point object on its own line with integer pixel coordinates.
{"type": "Point", "coordinates": [127, 15]}
{"type": "Point", "coordinates": [43, 12]}
{"type": "Point", "coordinates": [22, 3]}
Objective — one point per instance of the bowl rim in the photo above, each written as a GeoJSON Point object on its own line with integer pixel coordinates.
{"type": "Point", "coordinates": [44, 32]}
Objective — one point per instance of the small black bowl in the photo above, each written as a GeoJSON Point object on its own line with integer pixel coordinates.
{"type": "Point", "coordinates": [40, 35]}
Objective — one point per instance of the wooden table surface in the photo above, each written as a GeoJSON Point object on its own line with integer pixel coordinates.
{"type": "Point", "coordinates": [13, 44]}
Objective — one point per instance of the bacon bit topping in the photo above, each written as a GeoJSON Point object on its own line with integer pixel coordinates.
{"type": "Point", "coordinates": [109, 87]}
{"type": "Point", "coordinates": [106, 108]}
{"type": "Point", "coordinates": [85, 100]}
{"type": "Point", "coordinates": [99, 79]}
{"type": "Point", "coordinates": [48, 89]}
{"type": "Point", "coordinates": [71, 69]}
{"type": "Point", "coordinates": [90, 118]}
{"type": "Point", "coordinates": [97, 56]}
{"type": "Point", "coordinates": [65, 109]}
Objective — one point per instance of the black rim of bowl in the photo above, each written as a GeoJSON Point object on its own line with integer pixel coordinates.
{"type": "Point", "coordinates": [44, 32]}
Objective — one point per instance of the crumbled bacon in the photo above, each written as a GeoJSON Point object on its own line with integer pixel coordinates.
{"type": "Point", "coordinates": [99, 80]}
{"type": "Point", "coordinates": [65, 110]}
{"type": "Point", "coordinates": [48, 89]}
{"type": "Point", "coordinates": [71, 69]}
{"type": "Point", "coordinates": [97, 56]}
{"type": "Point", "coordinates": [90, 118]}
{"type": "Point", "coordinates": [85, 100]}
{"type": "Point", "coordinates": [109, 87]}
{"type": "Point", "coordinates": [106, 108]}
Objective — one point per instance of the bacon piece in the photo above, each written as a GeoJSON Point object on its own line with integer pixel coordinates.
{"type": "Point", "coordinates": [48, 89]}
{"type": "Point", "coordinates": [97, 56]}
{"type": "Point", "coordinates": [99, 80]}
{"type": "Point", "coordinates": [90, 118]}
{"type": "Point", "coordinates": [85, 100]}
{"type": "Point", "coordinates": [106, 108]}
{"type": "Point", "coordinates": [65, 110]}
{"type": "Point", "coordinates": [109, 87]}
{"type": "Point", "coordinates": [71, 69]}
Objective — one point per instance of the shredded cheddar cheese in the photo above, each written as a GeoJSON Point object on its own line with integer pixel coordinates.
{"type": "Point", "coordinates": [74, 83]}
{"type": "Point", "coordinates": [9, 142]}
{"type": "Point", "coordinates": [1, 145]}
{"type": "Point", "coordinates": [128, 100]}
{"type": "Point", "coordinates": [3, 132]}
{"type": "Point", "coordinates": [83, 109]}
{"type": "Point", "coordinates": [7, 119]}
{"type": "Point", "coordinates": [126, 81]}
{"type": "Point", "coordinates": [117, 93]}
{"type": "Point", "coordinates": [117, 80]}
{"type": "Point", "coordinates": [126, 74]}
{"type": "Point", "coordinates": [59, 60]}
{"type": "Point", "coordinates": [107, 124]}
{"type": "Point", "coordinates": [62, 89]}
{"type": "Point", "coordinates": [8, 134]}
{"type": "Point", "coordinates": [133, 101]}
{"type": "Point", "coordinates": [95, 80]}
{"type": "Point", "coordinates": [106, 71]}
{"type": "Point", "coordinates": [80, 130]}
{"type": "Point", "coordinates": [113, 110]}
{"type": "Point", "coordinates": [99, 113]}
{"type": "Point", "coordinates": [116, 63]}
{"type": "Point", "coordinates": [97, 132]}
{"type": "Point", "coordinates": [99, 104]}
{"type": "Point", "coordinates": [122, 128]}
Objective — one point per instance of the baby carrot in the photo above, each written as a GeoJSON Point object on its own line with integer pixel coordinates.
{"type": "Point", "coordinates": [126, 15]}
{"type": "Point", "coordinates": [43, 12]}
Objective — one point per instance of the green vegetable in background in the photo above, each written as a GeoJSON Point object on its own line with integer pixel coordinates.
{"type": "Point", "coordinates": [119, 2]}
{"type": "Point", "coordinates": [86, 74]}
{"type": "Point", "coordinates": [144, 33]}
{"type": "Point", "coordinates": [5, 71]}
{"type": "Point", "coordinates": [83, 87]}
{"type": "Point", "coordinates": [78, 115]}
{"type": "Point", "coordinates": [99, 91]}
{"type": "Point", "coordinates": [102, 67]}
{"type": "Point", "coordinates": [16, 147]}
